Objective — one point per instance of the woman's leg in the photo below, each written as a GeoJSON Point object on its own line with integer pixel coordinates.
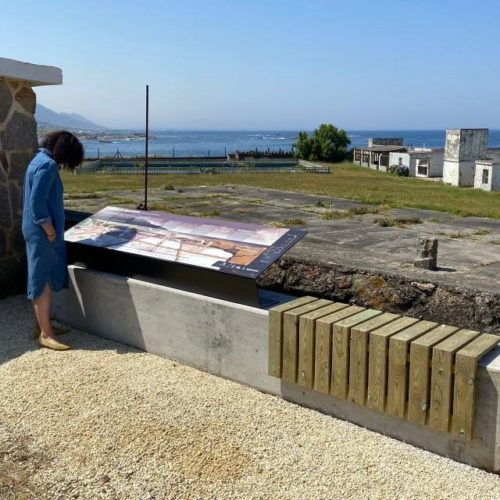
{"type": "Point", "coordinates": [41, 306]}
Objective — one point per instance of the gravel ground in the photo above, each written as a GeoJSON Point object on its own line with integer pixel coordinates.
{"type": "Point", "coordinates": [107, 421]}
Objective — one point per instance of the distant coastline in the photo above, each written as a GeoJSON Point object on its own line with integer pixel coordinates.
{"type": "Point", "coordinates": [218, 143]}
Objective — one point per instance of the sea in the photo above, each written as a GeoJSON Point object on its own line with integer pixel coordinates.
{"type": "Point", "coordinates": [130, 143]}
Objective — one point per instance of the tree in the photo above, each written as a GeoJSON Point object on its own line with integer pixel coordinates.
{"type": "Point", "coordinates": [327, 143]}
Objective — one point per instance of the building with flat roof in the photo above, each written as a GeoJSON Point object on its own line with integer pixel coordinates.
{"type": "Point", "coordinates": [376, 154]}
{"type": "Point", "coordinates": [421, 162]}
{"type": "Point", "coordinates": [463, 147]}
{"type": "Point", "coordinates": [487, 174]}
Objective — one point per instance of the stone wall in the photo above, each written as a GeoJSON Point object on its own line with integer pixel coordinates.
{"type": "Point", "coordinates": [18, 141]}
{"type": "Point", "coordinates": [453, 305]}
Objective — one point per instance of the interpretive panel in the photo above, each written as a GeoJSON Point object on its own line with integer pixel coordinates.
{"type": "Point", "coordinates": [231, 247]}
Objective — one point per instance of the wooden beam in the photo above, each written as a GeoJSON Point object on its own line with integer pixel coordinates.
{"type": "Point", "coordinates": [291, 338]}
{"type": "Point", "coordinates": [307, 340]}
{"type": "Point", "coordinates": [420, 377]}
{"type": "Point", "coordinates": [358, 357]}
{"type": "Point", "coordinates": [276, 333]}
{"type": "Point", "coordinates": [323, 348]}
{"type": "Point", "coordinates": [443, 358]}
{"type": "Point", "coordinates": [377, 361]}
{"type": "Point", "coordinates": [397, 382]}
{"type": "Point", "coordinates": [464, 403]}
{"type": "Point", "coordinates": [340, 351]}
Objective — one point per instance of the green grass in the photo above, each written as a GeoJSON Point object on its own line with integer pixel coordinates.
{"type": "Point", "coordinates": [345, 181]}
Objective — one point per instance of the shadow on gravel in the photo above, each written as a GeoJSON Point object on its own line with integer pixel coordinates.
{"type": "Point", "coordinates": [16, 328]}
{"type": "Point", "coordinates": [16, 333]}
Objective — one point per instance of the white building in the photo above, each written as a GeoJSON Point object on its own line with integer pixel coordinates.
{"type": "Point", "coordinates": [487, 175]}
{"type": "Point", "coordinates": [421, 162]}
{"type": "Point", "coordinates": [463, 147]}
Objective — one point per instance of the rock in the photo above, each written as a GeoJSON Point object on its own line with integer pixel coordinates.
{"type": "Point", "coordinates": [427, 250]}
{"type": "Point", "coordinates": [20, 133]}
{"type": "Point", "coordinates": [4, 166]}
{"type": "Point", "coordinates": [27, 99]}
{"type": "Point", "coordinates": [18, 164]}
{"type": "Point", "coordinates": [5, 101]}
{"type": "Point", "coordinates": [5, 210]}
{"type": "Point", "coordinates": [15, 200]}
{"type": "Point", "coordinates": [424, 287]}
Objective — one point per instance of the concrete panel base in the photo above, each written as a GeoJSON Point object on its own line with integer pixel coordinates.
{"type": "Point", "coordinates": [230, 340]}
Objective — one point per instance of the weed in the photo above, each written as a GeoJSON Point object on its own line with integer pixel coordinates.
{"type": "Point", "coordinates": [364, 210]}
{"type": "Point", "coordinates": [401, 222]}
{"type": "Point", "coordinates": [210, 213]}
{"type": "Point", "coordinates": [289, 222]}
{"type": "Point", "coordinates": [482, 232]}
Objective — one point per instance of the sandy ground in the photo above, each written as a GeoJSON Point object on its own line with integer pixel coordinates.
{"type": "Point", "coordinates": [107, 421]}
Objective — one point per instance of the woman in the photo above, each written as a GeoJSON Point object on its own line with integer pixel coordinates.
{"type": "Point", "coordinates": [43, 227]}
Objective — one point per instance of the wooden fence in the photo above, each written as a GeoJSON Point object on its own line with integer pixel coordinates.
{"type": "Point", "coordinates": [136, 167]}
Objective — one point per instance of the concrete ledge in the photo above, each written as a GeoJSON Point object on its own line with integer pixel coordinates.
{"type": "Point", "coordinates": [34, 74]}
{"type": "Point", "coordinates": [231, 340]}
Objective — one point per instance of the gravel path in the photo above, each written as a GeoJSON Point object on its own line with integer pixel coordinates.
{"type": "Point", "coordinates": [107, 421]}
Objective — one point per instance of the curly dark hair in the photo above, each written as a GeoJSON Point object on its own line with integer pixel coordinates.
{"type": "Point", "coordinates": [65, 147]}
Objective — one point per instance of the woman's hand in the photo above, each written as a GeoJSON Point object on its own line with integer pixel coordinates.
{"type": "Point", "coordinates": [50, 231]}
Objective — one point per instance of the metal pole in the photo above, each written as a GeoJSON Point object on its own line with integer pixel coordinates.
{"type": "Point", "coordinates": [146, 164]}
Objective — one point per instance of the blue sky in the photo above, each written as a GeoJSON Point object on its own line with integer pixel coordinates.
{"type": "Point", "coordinates": [265, 64]}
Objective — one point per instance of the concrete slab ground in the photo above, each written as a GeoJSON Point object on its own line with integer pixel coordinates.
{"type": "Point", "coordinates": [349, 256]}
{"type": "Point", "coordinates": [469, 248]}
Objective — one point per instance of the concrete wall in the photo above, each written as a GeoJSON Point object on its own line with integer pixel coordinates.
{"type": "Point", "coordinates": [231, 341]}
{"type": "Point", "coordinates": [493, 169]}
{"type": "Point", "coordinates": [463, 147]}
{"type": "Point", "coordinates": [385, 141]}
{"type": "Point", "coordinates": [436, 165]}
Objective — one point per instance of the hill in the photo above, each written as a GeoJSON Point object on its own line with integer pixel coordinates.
{"type": "Point", "coordinates": [50, 119]}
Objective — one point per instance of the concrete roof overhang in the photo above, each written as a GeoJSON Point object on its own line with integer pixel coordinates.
{"type": "Point", "coordinates": [34, 74]}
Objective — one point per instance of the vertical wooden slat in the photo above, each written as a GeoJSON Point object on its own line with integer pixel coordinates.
{"type": "Point", "coordinates": [291, 338]}
{"type": "Point", "coordinates": [323, 348]}
{"type": "Point", "coordinates": [420, 372]}
{"type": "Point", "coordinates": [358, 357]}
{"type": "Point", "coordinates": [397, 380]}
{"type": "Point", "coordinates": [340, 351]}
{"type": "Point", "coordinates": [466, 361]}
{"type": "Point", "coordinates": [443, 357]}
{"type": "Point", "coordinates": [276, 333]}
{"type": "Point", "coordinates": [307, 326]}
{"type": "Point", "coordinates": [377, 361]}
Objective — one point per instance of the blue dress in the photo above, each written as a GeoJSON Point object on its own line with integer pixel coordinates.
{"type": "Point", "coordinates": [44, 202]}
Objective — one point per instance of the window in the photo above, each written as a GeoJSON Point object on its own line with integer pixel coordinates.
{"type": "Point", "coordinates": [486, 175]}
